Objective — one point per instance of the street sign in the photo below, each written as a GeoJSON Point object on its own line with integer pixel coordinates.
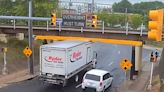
{"type": "Point", "coordinates": [27, 51]}
{"type": "Point", "coordinates": [73, 20]}
{"type": "Point", "coordinates": [125, 64]}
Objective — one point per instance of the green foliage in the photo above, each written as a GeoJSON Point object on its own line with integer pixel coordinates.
{"type": "Point", "coordinates": [104, 16]}
{"type": "Point", "coordinates": [17, 43]}
{"type": "Point", "coordinates": [140, 8]}
{"type": "Point", "coordinates": [120, 18]}
{"type": "Point", "coordinates": [144, 7]}
{"type": "Point", "coordinates": [122, 6]}
{"type": "Point", "coordinates": [136, 21]}
{"type": "Point", "coordinates": [41, 8]}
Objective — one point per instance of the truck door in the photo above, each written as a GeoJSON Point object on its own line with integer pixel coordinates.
{"type": "Point", "coordinates": [88, 54]}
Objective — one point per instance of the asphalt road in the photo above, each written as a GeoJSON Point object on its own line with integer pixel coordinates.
{"type": "Point", "coordinates": [109, 57]}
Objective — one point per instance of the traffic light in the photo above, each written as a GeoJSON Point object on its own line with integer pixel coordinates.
{"type": "Point", "coordinates": [53, 19]}
{"type": "Point", "coordinates": [155, 24]}
{"type": "Point", "coordinates": [94, 21]}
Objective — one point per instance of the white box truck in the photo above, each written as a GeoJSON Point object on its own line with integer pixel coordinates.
{"type": "Point", "coordinates": [62, 60]}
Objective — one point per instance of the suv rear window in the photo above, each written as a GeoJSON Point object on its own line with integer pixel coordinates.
{"type": "Point", "coordinates": [92, 77]}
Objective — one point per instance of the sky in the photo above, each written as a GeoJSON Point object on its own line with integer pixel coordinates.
{"type": "Point", "coordinates": [111, 1]}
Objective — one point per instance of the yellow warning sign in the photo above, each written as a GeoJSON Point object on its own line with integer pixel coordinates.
{"type": "Point", "coordinates": [125, 64]}
{"type": "Point", "coordinates": [27, 51]}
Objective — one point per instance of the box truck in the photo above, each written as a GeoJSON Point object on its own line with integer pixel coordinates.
{"type": "Point", "coordinates": [61, 61]}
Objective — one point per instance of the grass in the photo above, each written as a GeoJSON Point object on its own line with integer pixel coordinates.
{"type": "Point", "coordinates": [16, 60]}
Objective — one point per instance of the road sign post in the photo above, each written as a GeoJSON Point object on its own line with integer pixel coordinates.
{"type": "Point", "coordinates": [151, 76]}
{"type": "Point", "coordinates": [125, 64]}
{"type": "Point", "coordinates": [30, 38]}
{"type": "Point", "coordinates": [153, 59]}
{"type": "Point", "coordinates": [4, 70]}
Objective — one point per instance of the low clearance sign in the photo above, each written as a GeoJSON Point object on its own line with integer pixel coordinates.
{"type": "Point", "coordinates": [73, 20]}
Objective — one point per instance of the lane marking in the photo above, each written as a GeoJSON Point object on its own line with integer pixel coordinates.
{"type": "Point", "coordinates": [119, 52]}
{"type": "Point", "coordinates": [110, 63]}
{"type": "Point", "coordinates": [78, 85]}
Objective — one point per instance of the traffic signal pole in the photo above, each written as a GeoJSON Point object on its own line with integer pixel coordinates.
{"type": "Point", "coordinates": [30, 34]}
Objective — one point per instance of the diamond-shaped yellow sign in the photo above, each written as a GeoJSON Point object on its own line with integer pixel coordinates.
{"type": "Point", "coordinates": [125, 64]}
{"type": "Point", "coordinates": [27, 51]}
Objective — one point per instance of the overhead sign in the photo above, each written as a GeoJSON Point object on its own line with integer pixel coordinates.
{"type": "Point", "coordinates": [125, 64]}
{"type": "Point", "coordinates": [27, 51]}
{"type": "Point", "coordinates": [73, 20]}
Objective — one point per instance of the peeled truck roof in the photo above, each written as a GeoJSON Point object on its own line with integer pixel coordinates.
{"type": "Point", "coordinates": [64, 44]}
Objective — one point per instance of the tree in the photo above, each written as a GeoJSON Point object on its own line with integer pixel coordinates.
{"type": "Point", "coordinates": [113, 19]}
{"type": "Point", "coordinates": [5, 7]}
{"type": "Point", "coordinates": [144, 7]}
{"type": "Point", "coordinates": [104, 16]}
{"type": "Point", "coordinates": [122, 6]}
{"type": "Point", "coordinates": [136, 20]}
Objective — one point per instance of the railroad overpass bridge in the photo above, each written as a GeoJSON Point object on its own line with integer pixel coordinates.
{"type": "Point", "coordinates": [124, 37]}
{"type": "Point", "coordinates": [109, 33]}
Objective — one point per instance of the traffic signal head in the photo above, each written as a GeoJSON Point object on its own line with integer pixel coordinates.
{"type": "Point", "coordinates": [155, 24]}
{"type": "Point", "coordinates": [94, 21]}
{"type": "Point", "coordinates": [53, 19]}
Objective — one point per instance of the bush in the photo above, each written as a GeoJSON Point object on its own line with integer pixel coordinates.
{"type": "Point", "coordinates": [17, 43]}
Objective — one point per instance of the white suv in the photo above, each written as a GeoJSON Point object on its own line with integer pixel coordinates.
{"type": "Point", "coordinates": [98, 79]}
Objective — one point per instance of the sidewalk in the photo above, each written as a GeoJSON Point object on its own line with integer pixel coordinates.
{"type": "Point", "coordinates": [141, 82]}
{"type": "Point", "coordinates": [22, 75]}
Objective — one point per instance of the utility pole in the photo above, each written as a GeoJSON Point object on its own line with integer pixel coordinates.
{"type": "Point", "coordinates": [30, 35]}
{"type": "Point", "coordinates": [93, 6]}
{"type": "Point", "coordinates": [70, 4]}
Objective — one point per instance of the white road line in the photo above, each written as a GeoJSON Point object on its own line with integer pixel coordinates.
{"type": "Point", "coordinates": [119, 52]}
{"type": "Point", "coordinates": [78, 85]}
{"type": "Point", "coordinates": [110, 63]}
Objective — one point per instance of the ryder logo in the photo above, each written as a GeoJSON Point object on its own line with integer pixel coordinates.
{"type": "Point", "coordinates": [75, 56]}
{"type": "Point", "coordinates": [53, 59]}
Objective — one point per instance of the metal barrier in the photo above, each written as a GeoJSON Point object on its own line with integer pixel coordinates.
{"type": "Point", "coordinates": [59, 24]}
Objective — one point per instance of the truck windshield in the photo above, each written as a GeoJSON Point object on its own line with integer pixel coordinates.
{"type": "Point", "coordinates": [92, 77]}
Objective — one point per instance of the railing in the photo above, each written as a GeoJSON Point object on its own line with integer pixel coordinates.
{"type": "Point", "coordinates": [14, 19]}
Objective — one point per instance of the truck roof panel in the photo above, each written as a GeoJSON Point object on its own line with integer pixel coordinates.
{"type": "Point", "coordinates": [64, 44]}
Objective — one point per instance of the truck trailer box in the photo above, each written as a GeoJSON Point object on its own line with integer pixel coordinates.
{"type": "Point", "coordinates": [65, 58]}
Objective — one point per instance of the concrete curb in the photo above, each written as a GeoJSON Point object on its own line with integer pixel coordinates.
{"type": "Point", "coordinates": [16, 77]}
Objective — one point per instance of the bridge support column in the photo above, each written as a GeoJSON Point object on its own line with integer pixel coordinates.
{"type": "Point", "coordinates": [138, 59]}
